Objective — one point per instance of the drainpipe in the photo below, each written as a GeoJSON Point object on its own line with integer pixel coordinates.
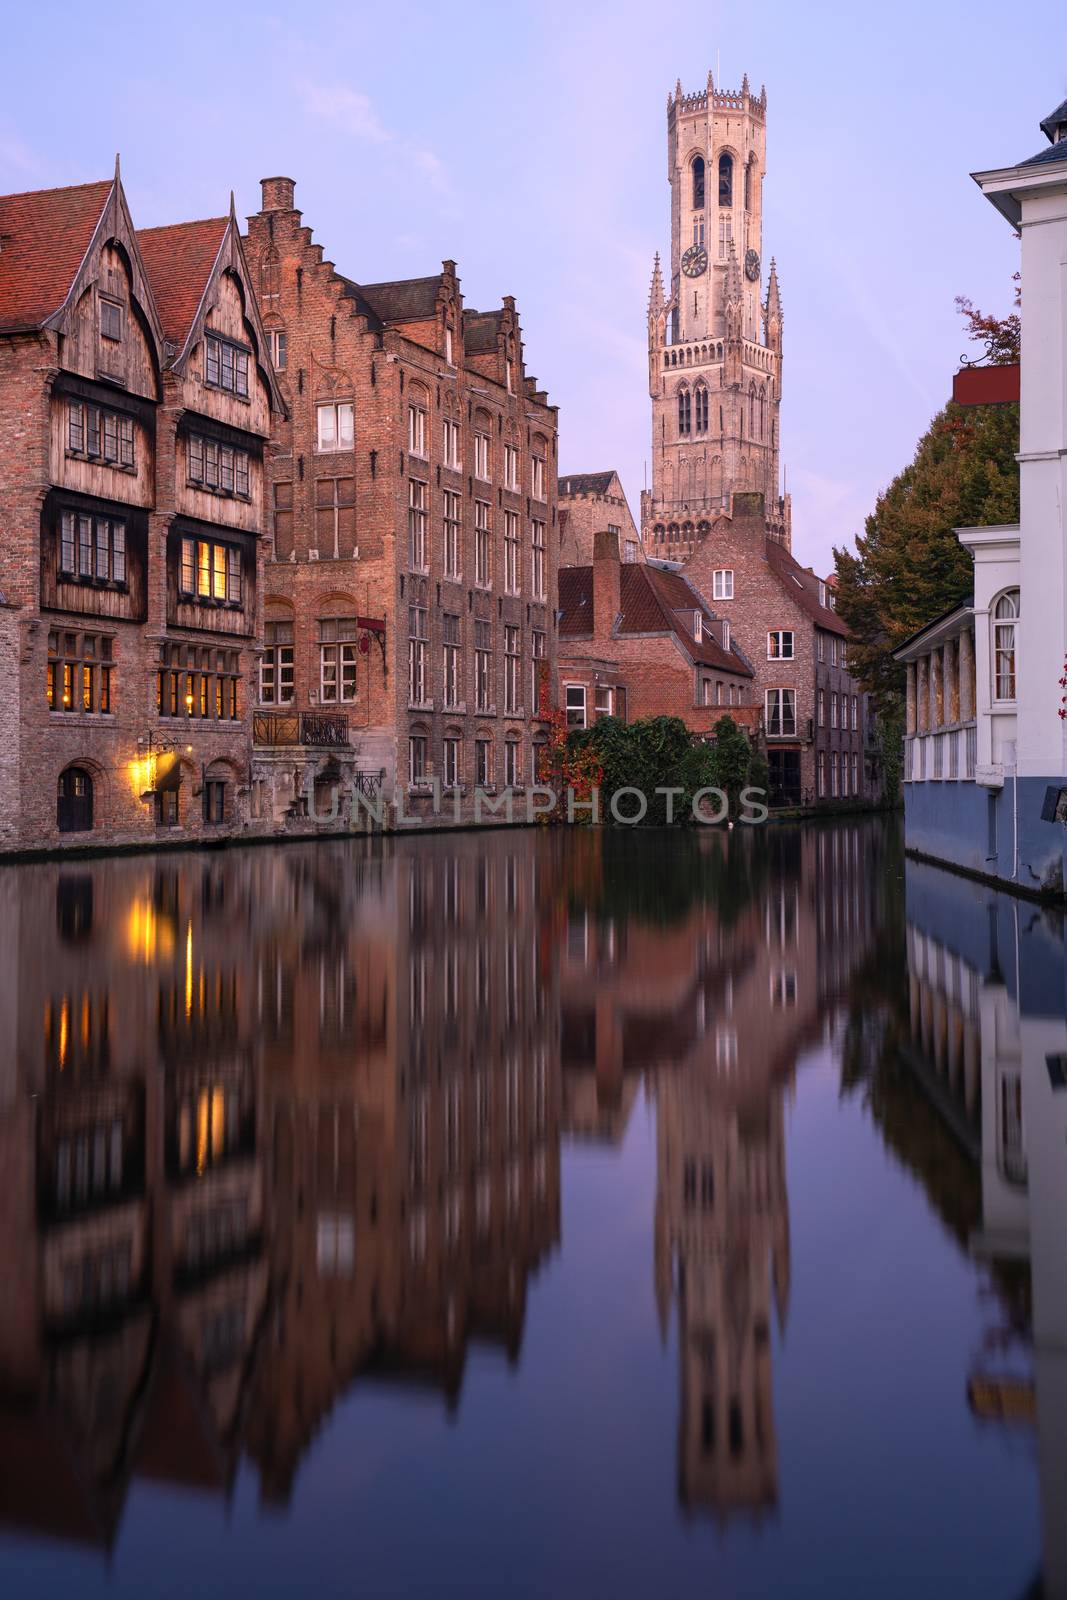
{"type": "Point", "coordinates": [1015, 820]}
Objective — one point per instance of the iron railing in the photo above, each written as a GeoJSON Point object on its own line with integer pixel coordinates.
{"type": "Point", "coordinates": [319, 729]}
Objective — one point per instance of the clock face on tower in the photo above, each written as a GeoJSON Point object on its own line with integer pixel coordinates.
{"type": "Point", "coordinates": [751, 265]}
{"type": "Point", "coordinates": [695, 261]}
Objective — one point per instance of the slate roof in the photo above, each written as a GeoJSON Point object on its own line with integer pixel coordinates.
{"type": "Point", "coordinates": [178, 260]}
{"type": "Point", "coordinates": [43, 239]}
{"type": "Point", "coordinates": [1055, 152]}
{"type": "Point", "coordinates": [1054, 120]}
{"type": "Point", "coordinates": [405, 300]}
{"type": "Point", "coordinates": [802, 587]}
{"type": "Point", "coordinates": [649, 600]}
{"type": "Point", "coordinates": [586, 482]}
{"type": "Point", "coordinates": [480, 331]}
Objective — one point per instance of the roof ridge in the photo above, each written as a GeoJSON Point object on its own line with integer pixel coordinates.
{"type": "Point", "coordinates": [61, 188]}
{"type": "Point", "coordinates": [191, 222]}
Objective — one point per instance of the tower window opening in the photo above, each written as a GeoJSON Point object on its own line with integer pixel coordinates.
{"type": "Point", "coordinates": [698, 183]}
{"type": "Point", "coordinates": [698, 230]}
{"type": "Point", "coordinates": [684, 411]}
{"type": "Point", "coordinates": [702, 410]}
{"type": "Point", "coordinates": [726, 233]}
{"type": "Point", "coordinates": [726, 179]}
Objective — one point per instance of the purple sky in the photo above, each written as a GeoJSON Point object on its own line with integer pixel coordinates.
{"type": "Point", "coordinates": [529, 144]}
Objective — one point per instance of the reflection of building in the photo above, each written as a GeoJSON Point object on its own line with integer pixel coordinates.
{"type": "Point", "coordinates": [263, 1128]}
{"type": "Point", "coordinates": [710, 992]}
{"type": "Point", "coordinates": [988, 1025]}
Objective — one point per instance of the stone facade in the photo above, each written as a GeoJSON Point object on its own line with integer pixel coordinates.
{"type": "Point", "coordinates": [589, 502]}
{"type": "Point", "coordinates": [714, 346]}
{"type": "Point", "coordinates": [410, 583]}
{"type": "Point", "coordinates": [131, 571]}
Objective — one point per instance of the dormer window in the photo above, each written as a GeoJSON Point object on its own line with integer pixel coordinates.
{"type": "Point", "coordinates": [726, 636]}
{"type": "Point", "coordinates": [111, 320]}
{"type": "Point", "coordinates": [448, 345]}
{"type": "Point", "coordinates": [822, 592]}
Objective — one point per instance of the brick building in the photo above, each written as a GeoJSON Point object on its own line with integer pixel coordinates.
{"type": "Point", "coordinates": [136, 402]}
{"type": "Point", "coordinates": [817, 724]}
{"type": "Point", "coordinates": [637, 640]}
{"type": "Point", "coordinates": [409, 591]}
{"type": "Point", "coordinates": [589, 501]}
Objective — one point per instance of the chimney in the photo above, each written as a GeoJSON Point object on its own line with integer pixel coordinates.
{"type": "Point", "coordinates": [278, 194]}
{"type": "Point", "coordinates": [606, 582]}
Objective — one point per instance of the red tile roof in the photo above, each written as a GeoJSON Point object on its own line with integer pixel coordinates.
{"type": "Point", "coordinates": [650, 601]}
{"type": "Point", "coordinates": [178, 260]}
{"type": "Point", "coordinates": [43, 240]}
{"type": "Point", "coordinates": [802, 586]}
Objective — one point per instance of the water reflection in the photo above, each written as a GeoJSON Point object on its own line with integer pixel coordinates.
{"type": "Point", "coordinates": [982, 1033]}
{"type": "Point", "coordinates": [278, 1122]}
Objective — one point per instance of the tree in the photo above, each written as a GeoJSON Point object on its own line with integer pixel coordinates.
{"type": "Point", "coordinates": [731, 761]}
{"type": "Point", "coordinates": [909, 567]}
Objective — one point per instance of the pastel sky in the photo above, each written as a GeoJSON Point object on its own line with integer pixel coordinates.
{"type": "Point", "coordinates": [528, 142]}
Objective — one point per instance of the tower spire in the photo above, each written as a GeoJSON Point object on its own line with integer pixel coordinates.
{"type": "Point", "coordinates": [772, 311]}
{"type": "Point", "coordinates": [655, 290]}
{"type": "Point", "coordinates": [733, 289]}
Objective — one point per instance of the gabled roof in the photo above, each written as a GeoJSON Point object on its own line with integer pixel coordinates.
{"type": "Point", "coordinates": [178, 260]}
{"type": "Point", "coordinates": [802, 587]}
{"type": "Point", "coordinates": [587, 482]}
{"type": "Point", "coordinates": [43, 240]}
{"type": "Point", "coordinates": [405, 300]}
{"type": "Point", "coordinates": [650, 601]}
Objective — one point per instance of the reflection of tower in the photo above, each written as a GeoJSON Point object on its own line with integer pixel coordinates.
{"type": "Point", "coordinates": [722, 1240]}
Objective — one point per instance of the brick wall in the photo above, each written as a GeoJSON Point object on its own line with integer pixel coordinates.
{"type": "Point", "coordinates": [341, 351]}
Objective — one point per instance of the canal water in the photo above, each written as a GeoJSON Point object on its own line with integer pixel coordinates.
{"type": "Point", "coordinates": [532, 1213]}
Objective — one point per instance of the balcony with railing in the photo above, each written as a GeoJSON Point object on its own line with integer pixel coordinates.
{"type": "Point", "coordinates": [947, 756]}
{"type": "Point", "coordinates": [317, 730]}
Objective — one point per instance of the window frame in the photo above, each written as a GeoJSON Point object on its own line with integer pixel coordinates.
{"type": "Point", "coordinates": [573, 712]}
{"type": "Point", "coordinates": [343, 411]}
{"type": "Point", "coordinates": [782, 731]}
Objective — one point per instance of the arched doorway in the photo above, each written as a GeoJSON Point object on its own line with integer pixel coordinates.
{"type": "Point", "coordinates": [74, 801]}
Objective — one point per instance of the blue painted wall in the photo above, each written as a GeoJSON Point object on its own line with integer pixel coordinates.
{"type": "Point", "coordinates": [951, 822]}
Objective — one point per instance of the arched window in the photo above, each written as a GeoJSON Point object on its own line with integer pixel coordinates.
{"type": "Point", "coordinates": [74, 801]}
{"type": "Point", "coordinates": [702, 409]}
{"type": "Point", "coordinates": [684, 410]}
{"type": "Point", "coordinates": [698, 183]}
{"type": "Point", "coordinates": [726, 179]}
{"type": "Point", "coordinates": [1005, 619]}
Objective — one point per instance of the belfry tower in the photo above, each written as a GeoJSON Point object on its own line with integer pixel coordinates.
{"type": "Point", "coordinates": [714, 344]}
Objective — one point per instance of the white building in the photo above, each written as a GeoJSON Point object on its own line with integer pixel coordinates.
{"type": "Point", "coordinates": [986, 746]}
